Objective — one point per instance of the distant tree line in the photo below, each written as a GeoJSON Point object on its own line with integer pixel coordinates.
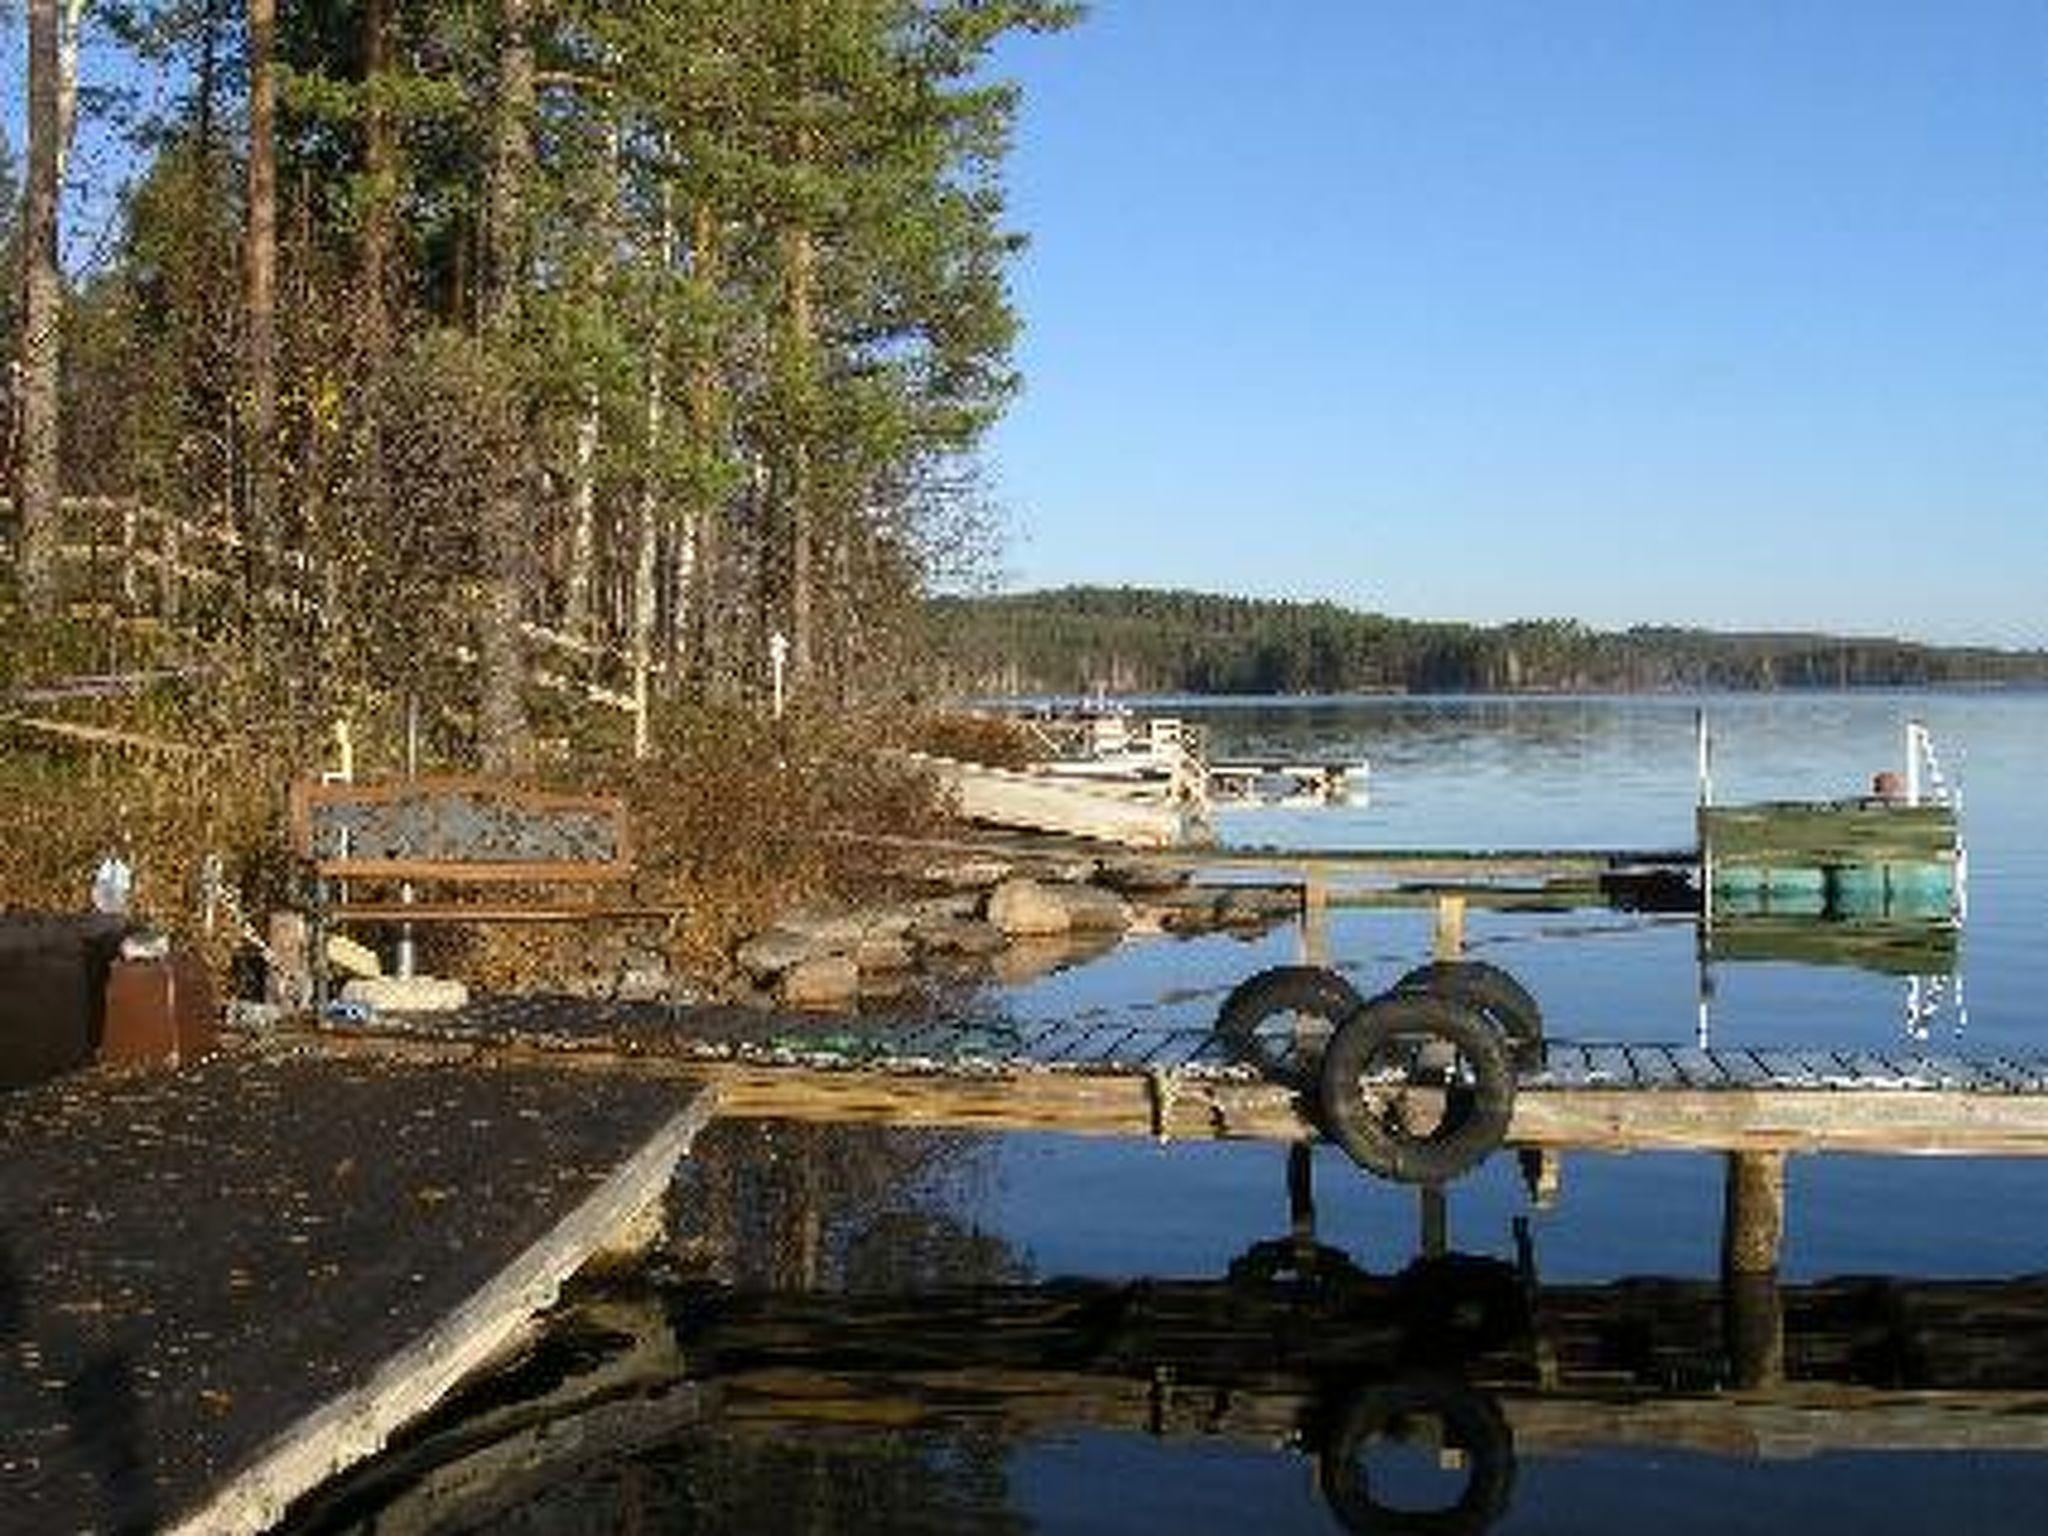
{"type": "Point", "coordinates": [1126, 639]}
{"type": "Point", "coordinates": [661, 326]}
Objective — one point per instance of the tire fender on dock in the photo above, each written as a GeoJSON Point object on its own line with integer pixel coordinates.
{"type": "Point", "coordinates": [1390, 1042]}
{"type": "Point", "coordinates": [1494, 992]}
{"type": "Point", "coordinates": [1313, 990]}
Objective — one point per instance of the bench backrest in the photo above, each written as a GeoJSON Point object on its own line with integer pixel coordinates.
{"type": "Point", "coordinates": [458, 829]}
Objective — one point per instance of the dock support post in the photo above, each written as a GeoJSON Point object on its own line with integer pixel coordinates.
{"type": "Point", "coordinates": [1752, 1234]}
{"type": "Point", "coordinates": [1450, 927]}
{"type": "Point", "coordinates": [1436, 1221]}
{"type": "Point", "coordinates": [1542, 1175]}
{"type": "Point", "coordinates": [1315, 919]}
{"type": "Point", "coordinates": [1753, 1213]}
{"type": "Point", "coordinates": [1301, 1193]}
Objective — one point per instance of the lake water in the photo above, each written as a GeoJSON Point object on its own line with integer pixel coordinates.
{"type": "Point", "coordinates": [911, 1421]}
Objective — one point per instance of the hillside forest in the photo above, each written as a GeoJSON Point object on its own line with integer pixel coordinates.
{"type": "Point", "coordinates": [1078, 640]}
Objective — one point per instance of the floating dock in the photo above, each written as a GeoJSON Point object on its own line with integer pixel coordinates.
{"type": "Point", "coordinates": [221, 1286]}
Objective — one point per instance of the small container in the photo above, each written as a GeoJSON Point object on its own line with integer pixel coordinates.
{"type": "Point", "coordinates": [159, 1011]}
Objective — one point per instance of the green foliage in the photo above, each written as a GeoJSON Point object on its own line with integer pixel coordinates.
{"type": "Point", "coordinates": [1135, 640]}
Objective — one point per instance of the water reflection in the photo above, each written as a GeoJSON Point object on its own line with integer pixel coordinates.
{"type": "Point", "coordinates": [1418, 1396]}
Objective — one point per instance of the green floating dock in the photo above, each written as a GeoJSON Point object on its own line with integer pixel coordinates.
{"type": "Point", "coordinates": [1851, 859]}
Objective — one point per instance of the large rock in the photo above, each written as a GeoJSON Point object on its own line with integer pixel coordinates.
{"type": "Point", "coordinates": [837, 932]}
{"type": "Point", "coordinates": [642, 977]}
{"type": "Point", "coordinates": [406, 994]}
{"type": "Point", "coordinates": [1256, 905]}
{"type": "Point", "coordinates": [1026, 908]}
{"type": "Point", "coordinates": [823, 981]}
{"type": "Point", "coordinates": [767, 955]}
{"type": "Point", "coordinates": [1091, 909]}
{"type": "Point", "coordinates": [967, 874]}
{"type": "Point", "coordinates": [957, 936]}
{"type": "Point", "coordinates": [883, 954]}
{"type": "Point", "coordinates": [1141, 876]}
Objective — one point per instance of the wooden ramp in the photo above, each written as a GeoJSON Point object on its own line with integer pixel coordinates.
{"type": "Point", "coordinates": [1112, 1076]}
{"type": "Point", "coordinates": [220, 1286]}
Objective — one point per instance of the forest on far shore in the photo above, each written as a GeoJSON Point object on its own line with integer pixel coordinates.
{"type": "Point", "coordinates": [1138, 640]}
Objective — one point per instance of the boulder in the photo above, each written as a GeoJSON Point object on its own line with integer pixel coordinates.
{"type": "Point", "coordinates": [1257, 904]}
{"type": "Point", "coordinates": [406, 994]}
{"type": "Point", "coordinates": [1141, 876]}
{"type": "Point", "coordinates": [348, 958]}
{"type": "Point", "coordinates": [642, 977]}
{"type": "Point", "coordinates": [832, 932]}
{"type": "Point", "coordinates": [967, 874]}
{"type": "Point", "coordinates": [883, 954]}
{"type": "Point", "coordinates": [822, 981]}
{"type": "Point", "coordinates": [958, 936]}
{"type": "Point", "coordinates": [1091, 909]}
{"type": "Point", "coordinates": [767, 955]}
{"type": "Point", "coordinates": [1022, 908]}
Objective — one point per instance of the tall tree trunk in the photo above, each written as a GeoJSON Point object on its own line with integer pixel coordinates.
{"type": "Point", "coordinates": [799, 256]}
{"type": "Point", "coordinates": [799, 259]}
{"type": "Point", "coordinates": [501, 706]}
{"type": "Point", "coordinates": [259, 296]}
{"type": "Point", "coordinates": [696, 549]}
{"type": "Point", "coordinates": [590, 425]}
{"type": "Point", "coordinates": [41, 298]}
{"type": "Point", "coordinates": [648, 541]}
{"type": "Point", "coordinates": [380, 168]}
{"type": "Point", "coordinates": [583, 516]}
{"type": "Point", "coordinates": [69, 36]}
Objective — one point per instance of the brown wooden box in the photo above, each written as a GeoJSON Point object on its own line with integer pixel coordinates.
{"type": "Point", "coordinates": [158, 1011]}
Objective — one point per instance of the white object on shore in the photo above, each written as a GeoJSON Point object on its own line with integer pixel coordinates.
{"type": "Point", "coordinates": [407, 994]}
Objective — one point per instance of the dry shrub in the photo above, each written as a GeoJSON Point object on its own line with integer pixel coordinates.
{"type": "Point", "coordinates": [993, 740]}
{"type": "Point", "coordinates": [736, 820]}
{"type": "Point", "coordinates": [217, 791]}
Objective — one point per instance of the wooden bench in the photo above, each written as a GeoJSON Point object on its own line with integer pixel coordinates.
{"type": "Point", "coordinates": [369, 848]}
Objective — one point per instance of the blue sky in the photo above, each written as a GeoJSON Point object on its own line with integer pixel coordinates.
{"type": "Point", "coordinates": [1728, 313]}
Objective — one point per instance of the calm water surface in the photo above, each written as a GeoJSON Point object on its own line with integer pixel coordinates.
{"type": "Point", "coordinates": [899, 1445]}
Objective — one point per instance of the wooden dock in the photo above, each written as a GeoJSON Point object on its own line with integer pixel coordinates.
{"type": "Point", "coordinates": [219, 1287]}
{"type": "Point", "coordinates": [1115, 1077]}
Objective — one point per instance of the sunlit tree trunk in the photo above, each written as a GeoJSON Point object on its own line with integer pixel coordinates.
{"type": "Point", "coordinates": [647, 544]}
{"type": "Point", "coordinates": [799, 256]}
{"type": "Point", "coordinates": [260, 291]}
{"type": "Point", "coordinates": [380, 170]}
{"type": "Point", "coordinates": [41, 298]}
{"type": "Point", "coordinates": [589, 431]}
{"type": "Point", "coordinates": [696, 547]}
{"type": "Point", "coordinates": [501, 707]}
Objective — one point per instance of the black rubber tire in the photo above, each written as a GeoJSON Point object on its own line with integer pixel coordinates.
{"type": "Point", "coordinates": [1485, 986]}
{"type": "Point", "coordinates": [1284, 1265]}
{"type": "Point", "coordinates": [1388, 1032]}
{"type": "Point", "coordinates": [1309, 989]}
{"type": "Point", "coordinates": [1472, 1421]}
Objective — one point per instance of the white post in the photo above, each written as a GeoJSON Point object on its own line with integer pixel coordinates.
{"type": "Point", "coordinates": [1915, 749]}
{"type": "Point", "coordinates": [1706, 756]}
{"type": "Point", "coordinates": [778, 661]}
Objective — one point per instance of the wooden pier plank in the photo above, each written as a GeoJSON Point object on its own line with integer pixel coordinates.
{"type": "Point", "coordinates": [354, 1426]}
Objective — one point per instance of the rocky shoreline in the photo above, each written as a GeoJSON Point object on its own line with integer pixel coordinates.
{"type": "Point", "coordinates": [994, 919]}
